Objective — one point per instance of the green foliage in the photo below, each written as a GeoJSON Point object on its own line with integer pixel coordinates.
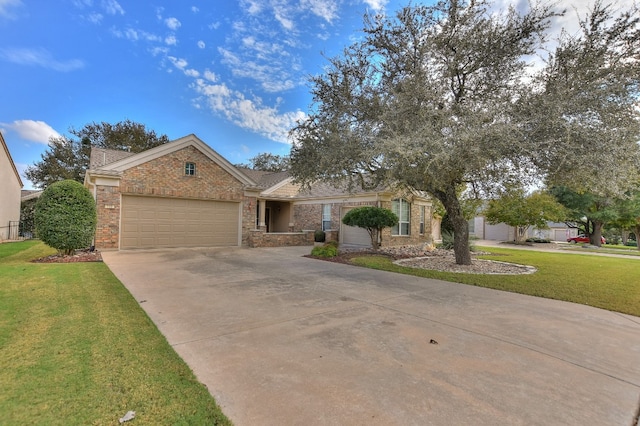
{"type": "Point", "coordinates": [373, 219]}
{"type": "Point", "coordinates": [589, 211]}
{"type": "Point", "coordinates": [577, 278]}
{"type": "Point", "coordinates": [27, 216]}
{"type": "Point", "coordinates": [267, 162]}
{"type": "Point", "coordinates": [432, 117]}
{"type": "Point", "coordinates": [517, 209]}
{"type": "Point", "coordinates": [68, 156]}
{"type": "Point", "coordinates": [319, 236]}
{"type": "Point", "coordinates": [327, 250]}
{"type": "Point", "coordinates": [65, 216]}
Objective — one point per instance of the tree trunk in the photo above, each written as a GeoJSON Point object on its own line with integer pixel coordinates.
{"type": "Point", "coordinates": [637, 232]}
{"type": "Point", "coordinates": [596, 236]}
{"type": "Point", "coordinates": [449, 199]}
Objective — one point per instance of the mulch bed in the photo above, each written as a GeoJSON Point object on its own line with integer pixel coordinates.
{"type": "Point", "coordinates": [79, 256]}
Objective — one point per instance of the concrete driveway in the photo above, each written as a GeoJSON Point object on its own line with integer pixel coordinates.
{"type": "Point", "coordinates": [280, 339]}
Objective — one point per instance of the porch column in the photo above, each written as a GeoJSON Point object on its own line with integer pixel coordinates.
{"type": "Point", "coordinates": [291, 218]}
{"type": "Point", "coordinates": [262, 208]}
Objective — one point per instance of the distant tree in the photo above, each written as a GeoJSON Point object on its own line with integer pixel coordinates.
{"type": "Point", "coordinates": [628, 216]}
{"type": "Point", "coordinates": [583, 121]}
{"type": "Point", "coordinates": [65, 216]}
{"type": "Point", "coordinates": [517, 209]}
{"type": "Point", "coordinates": [68, 156]}
{"type": "Point", "coordinates": [373, 219]}
{"type": "Point", "coordinates": [424, 99]}
{"type": "Point", "coordinates": [27, 216]}
{"type": "Point", "coordinates": [589, 211]}
{"type": "Point", "coordinates": [268, 162]}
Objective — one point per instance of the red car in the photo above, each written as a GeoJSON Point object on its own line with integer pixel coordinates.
{"type": "Point", "coordinates": [583, 239]}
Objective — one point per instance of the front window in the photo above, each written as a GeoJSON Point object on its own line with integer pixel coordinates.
{"type": "Point", "coordinates": [402, 209]}
{"type": "Point", "coordinates": [326, 217]}
{"type": "Point", "coordinates": [421, 220]}
{"type": "Point", "coordinates": [190, 169]}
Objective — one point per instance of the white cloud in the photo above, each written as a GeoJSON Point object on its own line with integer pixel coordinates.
{"type": "Point", "coordinates": [6, 6]}
{"type": "Point", "coordinates": [195, 9]}
{"type": "Point", "coordinates": [172, 23]}
{"type": "Point", "coordinates": [201, 44]}
{"type": "Point", "coordinates": [171, 40]}
{"type": "Point", "coordinates": [32, 130]}
{"type": "Point", "coordinates": [210, 75]}
{"type": "Point", "coordinates": [376, 4]}
{"type": "Point", "coordinates": [252, 7]}
{"type": "Point", "coordinates": [269, 73]}
{"type": "Point", "coordinates": [250, 114]}
{"type": "Point", "coordinates": [325, 9]}
{"type": "Point", "coordinates": [135, 35]}
{"type": "Point", "coordinates": [39, 57]}
{"type": "Point", "coordinates": [214, 25]}
{"type": "Point", "coordinates": [95, 17]}
{"type": "Point", "coordinates": [112, 7]}
{"type": "Point", "coordinates": [192, 73]}
{"type": "Point", "coordinates": [179, 63]}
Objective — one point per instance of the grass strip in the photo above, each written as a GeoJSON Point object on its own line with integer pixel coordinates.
{"type": "Point", "coordinates": [76, 348]}
{"type": "Point", "coordinates": [604, 282]}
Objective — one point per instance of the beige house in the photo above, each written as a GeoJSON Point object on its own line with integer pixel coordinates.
{"type": "Point", "coordinates": [184, 194]}
{"type": "Point", "coordinates": [10, 193]}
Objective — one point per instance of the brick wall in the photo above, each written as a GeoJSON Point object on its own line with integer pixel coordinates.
{"type": "Point", "coordinates": [165, 177]}
{"type": "Point", "coordinates": [263, 239]}
{"type": "Point", "coordinates": [108, 212]}
{"type": "Point", "coordinates": [309, 216]}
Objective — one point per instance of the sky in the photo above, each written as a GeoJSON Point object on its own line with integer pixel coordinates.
{"type": "Point", "coordinates": [233, 72]}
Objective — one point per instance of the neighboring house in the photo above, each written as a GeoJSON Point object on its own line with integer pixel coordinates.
{"type": "Point", "coordinates": [481, 229]}
{"type": "Point", "coordinates": [184, 194]}
{"type": "Point", "coordinates": [9, 194]}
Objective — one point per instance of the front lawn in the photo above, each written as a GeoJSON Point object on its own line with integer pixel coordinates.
{"type": "Point", "coordinates": [76, 348]}
{"type": "Point", "coordinates": [603, 282]}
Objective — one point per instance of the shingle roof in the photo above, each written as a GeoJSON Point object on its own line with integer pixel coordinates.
{"type": "Point", "coordinates": [263, 178]}
{"type": "Point", "coordinates": [103, 156]}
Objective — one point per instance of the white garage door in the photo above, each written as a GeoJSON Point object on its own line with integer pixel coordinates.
{"type": "Point", "coordinates": [352, 235]}
{"type": "Point", "coordinates": [151, 222]}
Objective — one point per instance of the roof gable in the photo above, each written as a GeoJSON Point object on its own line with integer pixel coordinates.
{"type": "Point", "coordinates": [173, 146]}
{"type": "Point", "coordinates": [13, 165]}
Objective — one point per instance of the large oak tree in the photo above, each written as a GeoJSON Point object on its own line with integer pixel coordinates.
{"type": "Point", "coordinates": [425, 100]}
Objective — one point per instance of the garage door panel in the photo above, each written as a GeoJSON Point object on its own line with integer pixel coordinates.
{"type": "Point", "coordinates": [149, 222]}
{"type": "Point", "coordinates": [353, 235]}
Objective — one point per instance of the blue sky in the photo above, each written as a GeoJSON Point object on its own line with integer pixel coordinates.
{"type": "Point", "coordinates": [235, 73]}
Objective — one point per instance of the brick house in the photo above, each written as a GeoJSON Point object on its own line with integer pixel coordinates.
{"type": "Point", "coordinates": [184, 194]}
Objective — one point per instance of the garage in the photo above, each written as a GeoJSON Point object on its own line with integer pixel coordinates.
{"type": "Point", "coordinates": [155, 222]}
{"type": "Point", "coordinates": [353, 235]}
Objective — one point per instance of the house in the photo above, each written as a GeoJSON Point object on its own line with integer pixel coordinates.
{"type": "Point", "coordinates": [481, 229]}
{"type": "Point", "coordinates": [9, 194]}
{"type": "Point", "coordinates": [184, 194]}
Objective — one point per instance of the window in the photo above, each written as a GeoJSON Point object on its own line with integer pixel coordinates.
{"type": "Point", "coordinates": [326, 217]}
{"type": "Point", "coordinates": [402, 209]}
{"type": "Point", "coordinates": [190, 169]}
{"type": "Point", "coordinates": [472, 226]}
{"type": "Point", "coordinates": [421, 220]}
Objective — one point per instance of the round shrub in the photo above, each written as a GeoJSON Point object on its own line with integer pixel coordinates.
{"type": "Point", "coordinates": [319, 236]}
{"type": "Point", "coordinates": [65, 216]}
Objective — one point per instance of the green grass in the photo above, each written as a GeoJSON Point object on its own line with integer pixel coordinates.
{"type": "Point", "coordinates": [604, 282]}
{"type": "Point", "coordinates": [76, 348]}
{"type": "Point", "coordinates": [611, 249]}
